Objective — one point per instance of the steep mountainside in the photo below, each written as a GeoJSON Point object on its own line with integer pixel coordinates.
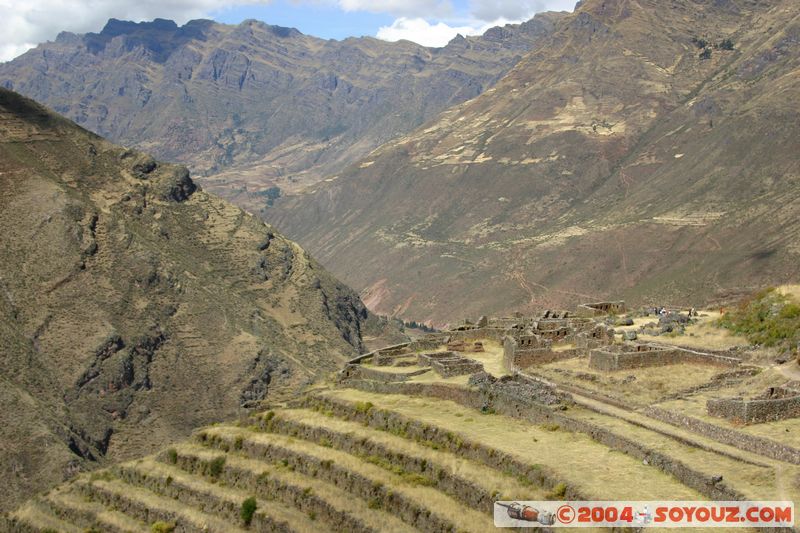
{"type": "Point", "coordinates": [644, 148]}
{"type": "Point", "coordinates": [279, 107]}
{"type": "Point", "coordinates": [135, 307]}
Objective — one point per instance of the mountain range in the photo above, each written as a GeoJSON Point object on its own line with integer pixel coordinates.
{"type": "Point", "coordinates": [645, 150]}
{"type": "Point", "coordinates": [256, 110]}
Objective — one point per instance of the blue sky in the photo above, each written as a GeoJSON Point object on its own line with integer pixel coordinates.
{"type": "Point", "coordinates": [328, 22]}
{"type": "Point", "coordinates": [26, 23]}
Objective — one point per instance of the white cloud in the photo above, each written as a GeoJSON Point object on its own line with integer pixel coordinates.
{"type": "Point", "coordinates": [517, 10]}
{"type": "Point", "coordinates": [35, 21]}
{"type": "Point", "coordinates": [423, 32]}
{"type": "Point", "coordinates": [484, 14]}
{"type": "Point", "coordinates": [400, 8]}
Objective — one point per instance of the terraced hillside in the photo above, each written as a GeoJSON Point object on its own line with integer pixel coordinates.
{"type": "Point", "coordinates": [135, 307]}
{"type": "Point", "coordinates": [393, 445]}
{"type": "Point", "coordinates": [344, 461]}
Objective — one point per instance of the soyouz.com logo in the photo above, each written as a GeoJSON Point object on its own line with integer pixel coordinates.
{"type": "Point", "coordinates": [644, 514]}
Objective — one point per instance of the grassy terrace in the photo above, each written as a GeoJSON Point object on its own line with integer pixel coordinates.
{"type": "Point", "coordinates": [784, 431]}
{"type": "Point", "coordinates": [307, 472]}
{"type": "Point", "coordinates": [640, 386]}
{"type": "Point", "coordinates": [343, 459]}
{"type": "Point", "coordinates": [612, 474]}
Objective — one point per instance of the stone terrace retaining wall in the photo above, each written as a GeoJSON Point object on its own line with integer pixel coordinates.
{"type": "Point", "coordinates": [387, 349]}
{"type": "Point", "coordinates": [362, 372]}
{"type": "Point", "coordinates": [507, 403]}
{"type": "Point", "coordinates": [750, 443]}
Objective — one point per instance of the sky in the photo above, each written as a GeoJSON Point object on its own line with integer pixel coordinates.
{"type": "Point", "coordinates": [25, 23]}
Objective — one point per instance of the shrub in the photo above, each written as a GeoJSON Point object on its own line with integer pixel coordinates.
{"type": "Point", "coordinates": [364, 407]}
{"type": "Point", "coordinates": [249, 507]}
{"type": "Point", "coordinates": [271, 194]}
{"type": "Point", "coordinates": [558, 492]}
{"type": "Point", "coordinates": [216, 466]}
{"type": "Point", "coordinates": [726, 44]}
{"type": "Point", "coordinates": [705, 54]}
{"type": "Point", "coordinates": [172, 455]}
{"type": "Point", "coordinates": [162, 527]}
{"type": "Point", "coordinates": [767, 318]}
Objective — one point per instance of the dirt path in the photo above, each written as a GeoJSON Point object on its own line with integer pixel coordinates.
{"type": "Point", "coordinates": [790, 370]}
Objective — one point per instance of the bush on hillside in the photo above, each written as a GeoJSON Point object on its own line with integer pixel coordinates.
{"type": "Point", "coordinates": [767, 318]}
{"type": "Point", "coordinates": [249, 507]}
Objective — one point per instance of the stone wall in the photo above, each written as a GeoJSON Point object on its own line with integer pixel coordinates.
{"type": "Point", "coordinates": [758, 445]}
{"type": "Point", "coordinates": [627, 357]}
{"type": "Point", "coordinates": [517, 356]}
{"type": "Point", "coordinates": [476, 334]}
{"type": "Point", "coordinates": [428, 342]}
{"type": "Point", "coordinates": [362, 372]}
{"type": "Point", "coordinates": [370, 355]}
{"type": "Point", "coordinates": [449, 364]}
{"type": "Point", "coordinates": [448, 368]}
{"type": "Point", "coordinates": [754, 411]}
{"type": "Point", "coordinates": [425, 359]}
{"type": "Point", "coordinates": [602, 308]}
{"type": "Point", "coordinates": [506, 401]}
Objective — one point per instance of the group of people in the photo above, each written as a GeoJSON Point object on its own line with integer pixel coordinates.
{"type": "Point", "coordinates": [662, 311]}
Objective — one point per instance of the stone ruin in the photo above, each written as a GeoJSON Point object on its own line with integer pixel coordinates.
{"type": "Point", "coordinates": [520, 388]}
{"type": "Point", "coordinates": [601, 309]}
{"type": "Point", "coordinates": [533, 345]}
{"type": "Point", "coordinates": [448, 364]}
{"type": "Point", "coordinates": [465, 346]}
{"type": "Point", "coordinates": [630, 356]}
{"type": "Point", "coordinates": [776, 403]}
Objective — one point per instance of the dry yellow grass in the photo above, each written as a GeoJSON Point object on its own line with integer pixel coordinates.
{"type": "Point", "coordinates": [32, 513]}
{"type": "Point", "coordinates": [649, 385]}
{"type": "Point", "coordinates": [108, 518]}
{"type": "Point", "coordinates": [491, 358]}
{"type": "Point", "coordinates": [756, 482]}
{"type": "Point", "coordinates": [153, 501]}
{"type": "Point", "coordinates": [480, 475]}
{"type": "Point", "coordinates": [594, 469]}
{"type": "Point", "coordinates": [338, 498]}
{"type": "Point", "coordinates": [785, 431]}
{"type": "Point", "coordinates": [790, 290]}
{"type": "Point", "coordinates": [705, 334]}
{"type": "Point", "coordinates": [427, 497]}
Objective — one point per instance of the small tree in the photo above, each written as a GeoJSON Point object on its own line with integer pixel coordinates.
{"type": "Point", "coordinates": [705, 54]}
{"type": "Point", "coordinates": [249, 507]}
{"type": "Point", "coordinates": [726, 44]}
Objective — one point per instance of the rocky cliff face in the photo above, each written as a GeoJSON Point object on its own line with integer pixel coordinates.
{"type": "Point", "coordinates": [644, 148]}
{"type": "Point", "coordinates": [134, 306]}
{"type": "Point", "coordinates": [255, 106]}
